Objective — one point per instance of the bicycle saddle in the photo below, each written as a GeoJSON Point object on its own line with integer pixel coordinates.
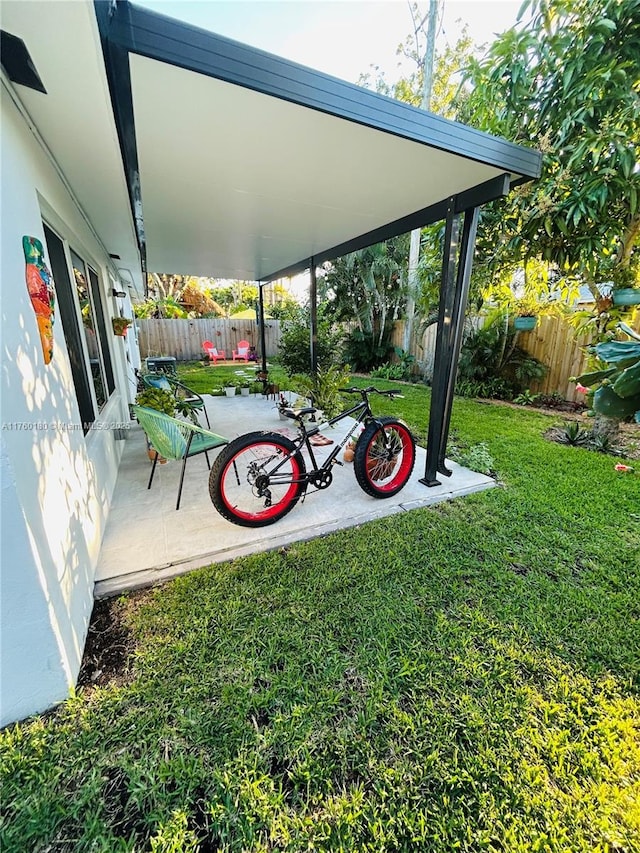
{"type": "Point", "coordinates": [299, 413]}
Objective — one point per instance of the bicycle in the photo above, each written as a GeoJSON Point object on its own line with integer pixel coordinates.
{"type": "Point", "coordinates": [259, 477]}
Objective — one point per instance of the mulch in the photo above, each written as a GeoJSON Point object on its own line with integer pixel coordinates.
{"type": "Point", "coordinates": [108, 647]}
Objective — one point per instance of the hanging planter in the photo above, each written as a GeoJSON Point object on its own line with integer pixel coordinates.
{"type": "Point", "coordinates": [626, 296]}
{"type": "Point", "coordinates": [120, 325]}
{"type": "Point", "coordinates": [525, 324]}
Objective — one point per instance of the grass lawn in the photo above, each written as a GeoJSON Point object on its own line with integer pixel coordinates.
{"type": "Point", "coordinates": [208, 379]}
{"type": "Point", "coordinates": [464, 677]}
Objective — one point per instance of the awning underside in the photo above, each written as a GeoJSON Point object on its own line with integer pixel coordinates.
{"type": "Point", "coordinates": [239, 184]}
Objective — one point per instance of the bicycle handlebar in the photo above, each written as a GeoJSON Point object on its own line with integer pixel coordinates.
{"type": "Point", "coordinates": [393, 392]}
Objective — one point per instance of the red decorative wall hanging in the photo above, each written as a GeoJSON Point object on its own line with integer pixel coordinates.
{"type": "Point", "coordinates": [40, 287]}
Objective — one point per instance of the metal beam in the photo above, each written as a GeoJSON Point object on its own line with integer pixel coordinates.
{"type": "Point", "coordinates": [443, 345]}
{"type": "Point", "coordinates": [263, 340]}
{"type": "Point", "coordinates": [465, 259]}
{"type": "Point", "coordinates": [475, 197]}
{"type": "Point", "coordinates": [313, 309]}
{"type": "Point", "coordinates": [453, 303]}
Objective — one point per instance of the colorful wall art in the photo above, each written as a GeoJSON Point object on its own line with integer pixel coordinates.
{"type": "Point", "coordinates": [41, 291]}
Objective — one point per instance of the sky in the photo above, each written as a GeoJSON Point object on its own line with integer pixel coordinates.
{"type": "Point", "coordinates": [339, 37]}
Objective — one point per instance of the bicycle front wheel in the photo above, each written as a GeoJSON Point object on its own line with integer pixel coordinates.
{"type": "Point", "coordinates": [257, 479]}
{"type": "Point", "coordinates": [385, 456]}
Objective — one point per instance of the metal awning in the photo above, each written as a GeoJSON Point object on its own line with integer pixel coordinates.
{"type": "Point", "coordinates": [244, 165]}
{"type": "Point", "coordinates": [191, 153]}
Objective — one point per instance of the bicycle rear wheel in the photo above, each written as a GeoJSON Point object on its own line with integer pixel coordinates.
{"type": "Point", "coordinates": [385, 456]}
{"type": "Point", "coordinates": [257, 479]}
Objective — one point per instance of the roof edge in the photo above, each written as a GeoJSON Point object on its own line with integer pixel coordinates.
{"type": "Point", "coordinates": [174, 42]}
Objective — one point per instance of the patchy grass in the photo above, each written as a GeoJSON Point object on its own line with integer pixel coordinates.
{"type": "Point", "coordinates": [463, 677]}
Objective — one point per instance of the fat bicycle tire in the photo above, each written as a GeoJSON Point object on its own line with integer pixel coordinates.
{"type": "Point", "coordinates": [382, 472]}
{"type": "Point", "coordinates": [239, 483]}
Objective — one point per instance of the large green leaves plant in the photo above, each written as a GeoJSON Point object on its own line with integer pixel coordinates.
{"type": "Point", "coordinates": [617, 394]}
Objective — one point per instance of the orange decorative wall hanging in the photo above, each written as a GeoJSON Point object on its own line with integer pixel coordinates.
{"type": "Point", "coordinates": [40, 287]}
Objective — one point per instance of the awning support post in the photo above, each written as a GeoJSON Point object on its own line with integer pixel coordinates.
{"type": "Point", "coordinates": [313, 309]}
{"type": "Point", "coordinates": [453, 302]}
{"type": "Point", "coordinates": [263, 337]}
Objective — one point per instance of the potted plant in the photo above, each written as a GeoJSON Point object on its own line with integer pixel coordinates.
{"type": "Point", "coordinates": [245, 388]}
{"type": "Point", "coordinates": [625, 292]}
{"type": "Point", "coordinates": [324, 389]}
{"type": "Point", "coordinates": [526, 310]}
{"type": "Point", "coordinates": [162, 401]}
{"type": "Point", "coordinates": [120, 325]}
{"type": "Point", "coordinates": [283, 404]}
{"type": "Point", "coordinates": [626, 296]}
{"type": "Point", "coordinates": [230, 388]}
{"type": "Point", "coordinates": [350, 446]}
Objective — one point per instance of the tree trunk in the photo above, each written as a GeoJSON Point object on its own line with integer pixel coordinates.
{"type": "Point", "coordinates": [606, 428]}
{"type": "Point", "coordinates": [414, 250]}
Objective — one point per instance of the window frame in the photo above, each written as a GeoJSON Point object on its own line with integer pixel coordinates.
{"type": "Point", "coordinates": [70, 312]}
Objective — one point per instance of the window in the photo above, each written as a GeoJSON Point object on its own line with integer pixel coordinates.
{"type": "Point", "coordinates": [81, 313]}
{"type": "Point", "coordinates": [95, 332]}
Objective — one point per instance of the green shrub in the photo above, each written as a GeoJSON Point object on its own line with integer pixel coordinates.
{"type": "Point", "coordinates": [476, 457]}
{"type": "Point", "coordinates": [389, 371]}
{"type": "Point", "coordinates": [491, 362]}
{"type": "Point", "coordinates": [364, 351]}
{"type": "Point", "coordinates": [295, 344]}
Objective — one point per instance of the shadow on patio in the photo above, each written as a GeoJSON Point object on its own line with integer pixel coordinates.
{"type": "Point", "coordinates": [147, 540]}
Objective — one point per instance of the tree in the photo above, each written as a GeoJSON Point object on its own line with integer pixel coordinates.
{"type": "Point", "coordinates": [433, 83]}
{"type": "Point", "coordinates": [177, 296]}
{"type": "Point", "coordinates": [294, 342]}
{"type": "Point", "coordinates": [368, 286]}
{"type": "Point", "coordinates": [567, 82]}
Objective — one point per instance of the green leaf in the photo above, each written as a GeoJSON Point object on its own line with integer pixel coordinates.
{"type": "Point", "coordinates": [589, 379]}
{"type": "Point", "coordinates": [607, 402]}
{"type": "Point", "coordinates": [619, 352]}
{"type": "Point", "coordinates": [628, 383]}
{"type": "Point", "coordinates": [628, 331]}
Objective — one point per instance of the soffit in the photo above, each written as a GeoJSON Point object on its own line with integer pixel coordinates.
{"type": "Point", "coordinates": [75, 118]}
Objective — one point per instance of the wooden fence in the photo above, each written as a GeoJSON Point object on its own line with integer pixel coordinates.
{"type": "Point", "coordinates": [553, 342]}
{"type": "Point", "coordinates": [183, 338]}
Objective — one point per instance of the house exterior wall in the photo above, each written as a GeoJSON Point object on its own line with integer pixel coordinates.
{"type": "Point", "coordinates": [57, 482]}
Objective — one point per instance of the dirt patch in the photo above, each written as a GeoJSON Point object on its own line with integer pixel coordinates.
{"type": "Point", "coordinates": [626, 445]}
{"type": "Point", "coordinates": [109, 645]}
{"type": "Point", "coordinates": [561, 406]}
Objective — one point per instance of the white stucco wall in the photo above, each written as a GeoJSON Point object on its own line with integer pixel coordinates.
{"type": "Point", "coordinates": [56, 482]}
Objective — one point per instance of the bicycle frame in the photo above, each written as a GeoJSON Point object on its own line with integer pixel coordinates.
{"type": "Point", "coordinates": [362, 409]}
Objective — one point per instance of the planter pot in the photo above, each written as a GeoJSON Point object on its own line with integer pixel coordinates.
{"type": "Point", "coordinates": [525, 324]}
{"type": "Point", "coordinates": [626, 296]}
{"type": "Point", "coordinates": [245, 392]}
{"type": "Point", "coordinates": [152, 455]}
{"type": "Point", "coordinates": [230, 392]}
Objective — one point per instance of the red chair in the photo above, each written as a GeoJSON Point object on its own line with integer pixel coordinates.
{"type": "Point", "coordinates": [213, 352]}
{"type": "Point", "coordinates": [242, 352]}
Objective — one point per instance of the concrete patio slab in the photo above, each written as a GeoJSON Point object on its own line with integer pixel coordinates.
{"type": "Point", "coordinates": [147, 540]}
